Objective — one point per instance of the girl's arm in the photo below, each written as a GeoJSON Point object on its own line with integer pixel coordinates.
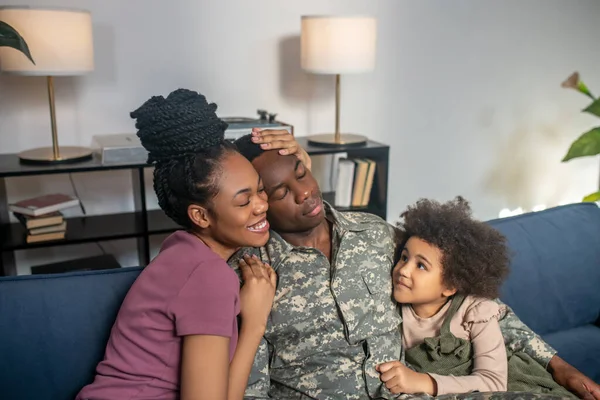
{"type": "Point", "coordinates": [490, 366]}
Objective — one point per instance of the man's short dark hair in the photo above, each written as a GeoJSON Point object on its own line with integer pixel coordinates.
{"type": "Point", "coordinates": [247, 148]}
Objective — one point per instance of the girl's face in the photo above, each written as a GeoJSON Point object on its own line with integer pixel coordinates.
{"type": "Point", "coordinates": [418, 274]}
{"type": "Point", "coordinates": [238, 216]}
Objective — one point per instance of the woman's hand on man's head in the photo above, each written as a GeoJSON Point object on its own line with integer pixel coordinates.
{"type": "Point", "coordinates": [282, 140]}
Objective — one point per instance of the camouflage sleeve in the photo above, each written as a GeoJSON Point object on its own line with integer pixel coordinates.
{"type": "Point", "coordinates": [518, 337]}
{"type": "Point", "coordinates": [398, 238]}
{"type": "Point", "coordinates": [259, 380]}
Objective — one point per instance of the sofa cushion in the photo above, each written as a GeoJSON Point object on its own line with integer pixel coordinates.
{"type": "Point", "coordinates": [579, 347]}
{"type": "Point", "coordinates": [54, 329]}
{"type": "Point", "coordinates": [555, 272]}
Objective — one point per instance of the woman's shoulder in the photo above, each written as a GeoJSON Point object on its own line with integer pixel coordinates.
{"type": "Point", "coordinates": [476, 310]}
{"type": "Point", "coordinates": [183, 257]}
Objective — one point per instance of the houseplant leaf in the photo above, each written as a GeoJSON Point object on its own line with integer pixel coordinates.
{"type": "Point", "coordinates": [9, 37]}
{"type": "Point", "coordinates": [587, 144]}
{"type": "Point", "coordinates": [593, 108]}
{"type": "Point", "coordinates": [592, 197]}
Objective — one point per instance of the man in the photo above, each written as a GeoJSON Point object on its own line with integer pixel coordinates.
{"type": "Point", "coordinates": [333, 318]}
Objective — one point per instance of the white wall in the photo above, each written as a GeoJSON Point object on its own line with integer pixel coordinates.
{"type": "Point", "coordinates": [466, 92]}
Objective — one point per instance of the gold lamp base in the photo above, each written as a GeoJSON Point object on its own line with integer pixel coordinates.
{"type": "Point", "coordinates": [55, 154]}
{"type": "Point", "coordinates": [333, 140]}
{"type": "Point", "coordinates": [337, 139]}
{"type": "Point", "coordinates": [46, 155]}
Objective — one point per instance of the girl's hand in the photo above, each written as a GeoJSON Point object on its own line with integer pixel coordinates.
{"type": "Point", "coordinates": [282, 140]}
{"type": "Point", "coordinates": [257, 293]}
{"type": "Point", "coordinates": [398, 378]}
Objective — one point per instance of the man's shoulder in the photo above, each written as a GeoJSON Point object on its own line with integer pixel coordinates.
{"type": "Point", "coordinates": [358, 217]}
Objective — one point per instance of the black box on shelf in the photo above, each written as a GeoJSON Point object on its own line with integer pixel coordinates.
{"type": "Point", "coordinates": [104, 261]}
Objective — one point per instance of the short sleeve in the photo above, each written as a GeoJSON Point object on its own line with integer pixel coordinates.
{"type": "Point", "coordinates": [207, 302]}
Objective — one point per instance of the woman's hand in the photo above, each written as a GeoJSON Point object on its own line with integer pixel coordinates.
{"type": "Point", "coordinates": [257, 293]}
{"type": "Point", "coordinates": [282, 140]}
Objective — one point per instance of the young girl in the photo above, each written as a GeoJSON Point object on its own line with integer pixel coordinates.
{"type": "Point", "coordinates": [449, 269]}
{"type": "Point", "coordinates": [176, 334]}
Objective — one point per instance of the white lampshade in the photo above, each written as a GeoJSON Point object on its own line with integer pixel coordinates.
{"type": "Point", "coordinates": [338, 45]}
{"type": "Point", "coordinates": [60, 41]}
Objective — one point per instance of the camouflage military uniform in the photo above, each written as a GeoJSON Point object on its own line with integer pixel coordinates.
{"type": "Point", "coordinates": [331, 324]}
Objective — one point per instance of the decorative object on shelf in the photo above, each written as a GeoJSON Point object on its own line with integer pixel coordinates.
{"type": "Point", "coordinates": [60, 41]}
{"type": "Point", "coordinates": [588, 144]}
{"type": "Point", "coordinates": [240, 126]}
{"type": "Point", "coordinates": [338, 45]}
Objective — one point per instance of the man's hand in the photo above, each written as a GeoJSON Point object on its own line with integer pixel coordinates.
{"type": "Point", "coordinates": [571, 379]}
{"type": "Point", "coordinates": [274, 139]}
{"type": "Point", "coordinates": [398, 378]}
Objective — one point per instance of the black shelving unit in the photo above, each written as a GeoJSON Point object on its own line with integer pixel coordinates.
{"type": "Point", "coordinates": [141, 223]}
{"type": "Point", "coordinates": [375, 151]}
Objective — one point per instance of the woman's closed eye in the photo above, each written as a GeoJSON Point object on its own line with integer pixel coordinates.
{"type": "Point", "coordinates": [259, 192]}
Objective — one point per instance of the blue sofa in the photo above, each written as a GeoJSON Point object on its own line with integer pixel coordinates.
{"type": "Point", "coordinates": [53, 328]}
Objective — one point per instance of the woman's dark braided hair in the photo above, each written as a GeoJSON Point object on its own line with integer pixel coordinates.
{"type": "Point", "coordinates": [185, 143]}
{"type": "Point", "coordinates": [475, 256]}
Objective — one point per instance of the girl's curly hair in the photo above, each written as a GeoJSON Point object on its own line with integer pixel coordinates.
{"type": "Point", "coordinates": [475, 257]}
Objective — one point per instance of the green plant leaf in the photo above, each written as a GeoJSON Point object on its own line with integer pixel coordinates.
{"type": "Point", "coordinates": [592, 197]}
{"type": "Point", "coordinates": [593, 108]}
{"type": "Point", "coordinates": [587, 144]}
{"type": "Point", "coordinates": [9, 37]}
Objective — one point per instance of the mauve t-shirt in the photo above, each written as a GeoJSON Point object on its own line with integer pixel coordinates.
{"type": "Point", "coordinates": [186, 290]}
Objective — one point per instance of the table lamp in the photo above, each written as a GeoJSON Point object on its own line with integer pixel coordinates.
{"type": "Point", "coordinates": [337, 45]}
{"type": "Point", "coordinates": [60, 42]}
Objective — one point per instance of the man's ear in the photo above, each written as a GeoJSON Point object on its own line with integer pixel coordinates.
{"type": "Point", "coordinates": [199, 216]}
{"type": "Point", "coordinates": [448, 292]}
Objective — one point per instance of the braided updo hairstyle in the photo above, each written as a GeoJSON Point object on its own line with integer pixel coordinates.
{"type": "Point", "coordinates": [185, 143]}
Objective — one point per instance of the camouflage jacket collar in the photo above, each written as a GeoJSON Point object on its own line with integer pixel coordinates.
{"type": "Point", "coordinates": [278, 249]}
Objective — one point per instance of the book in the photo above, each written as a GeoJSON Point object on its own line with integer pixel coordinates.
{"type": "Point", "coordinates": [345, 183]}
{"type": "Point", "coordinates": [49, 229]}
{"type": "Point", "coordinates": [360, 179]}
{"type": "Point", "coordinates": [369, 183]}
{"type": "Point", "coordinates": [46, 237]}
{"type": "Point", "coordinates": [43, 205]}
{"type": "Point", "coordinates": [31, 222]}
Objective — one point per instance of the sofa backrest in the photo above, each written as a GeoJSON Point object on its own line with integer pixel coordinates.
{"type": "Point", "coordinates": [554, 282]}
{"type": "Point", "coordinates": [54, 329]}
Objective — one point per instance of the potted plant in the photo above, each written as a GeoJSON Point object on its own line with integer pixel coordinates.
{"type": "Point", "coordinates": [9, 37]}
{"type": "Point", "coordinates": [588, 144]}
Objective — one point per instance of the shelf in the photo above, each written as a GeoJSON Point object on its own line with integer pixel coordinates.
{"type": "Point", "coordinates": [158, 223]}
{"type": "Point", "coordinates": [316, 150]}
{"type": "Point", "coordinates": [11, 166]}
{"type": "Point", "coordinates": [371, 208]}
{"type": "Point", "coordinates": [91, 229]}
{"type": "Point", "coordinates": [143, 223]}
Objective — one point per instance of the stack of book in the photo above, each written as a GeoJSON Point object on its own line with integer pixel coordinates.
{"type": "Point", "coordinates": [354, 182]}
{"type": "Point", "coordinates": [41, 216]}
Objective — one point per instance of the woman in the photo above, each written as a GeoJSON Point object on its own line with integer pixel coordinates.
{"type": "Point", "coordinates": [176, 334]}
